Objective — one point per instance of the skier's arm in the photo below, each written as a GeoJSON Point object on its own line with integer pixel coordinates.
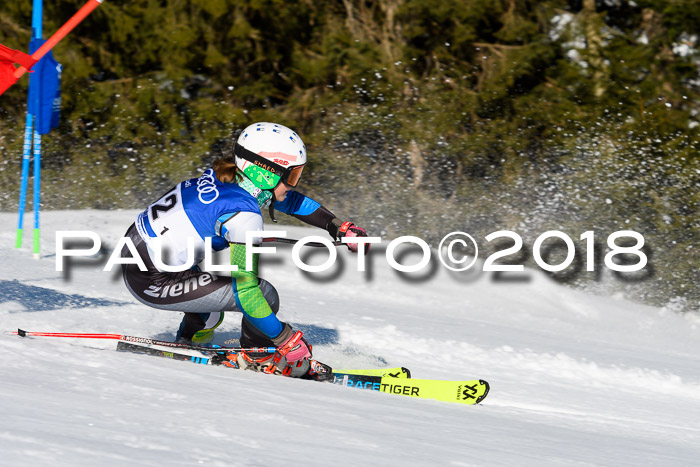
{"type": "Point", "coordinates": [306, 209]}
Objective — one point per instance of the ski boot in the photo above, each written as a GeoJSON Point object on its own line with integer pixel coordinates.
{"type": "Point", "coordinates": [198, 328]}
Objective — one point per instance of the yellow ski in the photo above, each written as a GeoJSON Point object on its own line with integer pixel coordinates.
{"type": "Point", "coordinates": [464, 392]}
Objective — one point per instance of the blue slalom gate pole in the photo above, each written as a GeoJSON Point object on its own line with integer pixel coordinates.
{"type": "Point", "coordinates": [37, 19]}
{"type": "Point", "coordinates": [37, 188]}
{"type": "Point", "coordinates": [31, 125]}
{"type": "Point", "coordinates": [27, 154]}
{"type": "Point", "coordinates": [43, 106]}
{"type": "Point", "coordinates": [37, 28]}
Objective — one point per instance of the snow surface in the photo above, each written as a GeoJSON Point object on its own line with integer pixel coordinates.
{"type": "Point", "coordinates": [575, 378]}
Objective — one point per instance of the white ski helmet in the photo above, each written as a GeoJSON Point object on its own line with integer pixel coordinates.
{"type": "Point", "coordinates": [268, 152]}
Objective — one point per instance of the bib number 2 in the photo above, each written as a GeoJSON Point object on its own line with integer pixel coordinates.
{"type": "Point", "coordinates": [164, 205]}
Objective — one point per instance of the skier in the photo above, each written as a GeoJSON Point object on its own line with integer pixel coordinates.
{"type": "Point", "coordinates": [223, 204]}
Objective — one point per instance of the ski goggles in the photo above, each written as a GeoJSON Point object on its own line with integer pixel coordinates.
{"type": "Point", "coordinates": [265, 173]}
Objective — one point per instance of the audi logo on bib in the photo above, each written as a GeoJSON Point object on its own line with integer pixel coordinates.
{"type": "Point", "coordinates": [206, 186]}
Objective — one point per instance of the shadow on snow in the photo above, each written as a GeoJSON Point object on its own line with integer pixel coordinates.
{"type": "Point", "coordinates": [34, 298]}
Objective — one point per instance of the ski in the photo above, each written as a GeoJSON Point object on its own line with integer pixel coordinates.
{"type": "Point", "coordinates": [202, 359]}
{"type": "Point", "coordinates": [464, 392]}
{"type": "Point", "coordinates": [390, 380]}
{"type": "Point", "coordinates": [217, 356]}
{"type": "Point", "coordinates": [205, 354]}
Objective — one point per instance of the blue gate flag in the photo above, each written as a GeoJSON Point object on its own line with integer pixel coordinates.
{"type": "Point", "coordinates": [45, 90]}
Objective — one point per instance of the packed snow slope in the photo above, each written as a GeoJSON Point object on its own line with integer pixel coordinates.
{"type": "Point", "coordinates": [575, 378]}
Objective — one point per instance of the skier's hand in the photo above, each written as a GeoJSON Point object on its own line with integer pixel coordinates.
{"type": "Point", "coordinates": [348, 230]}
